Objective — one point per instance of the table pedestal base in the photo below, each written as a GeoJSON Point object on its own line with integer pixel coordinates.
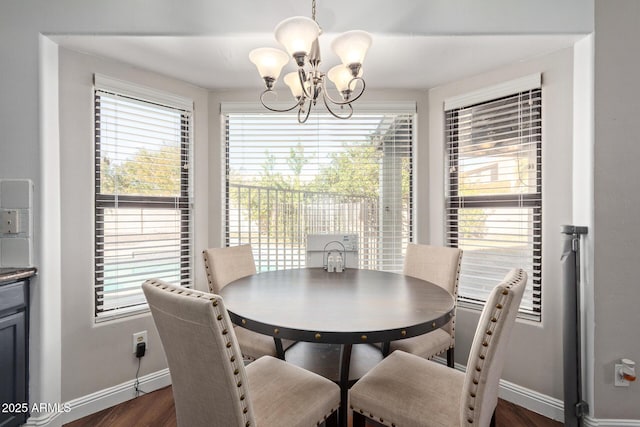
{"type": "Point", "coordinates": [324, 359]}
{"type": "Point", "coordinates": [342, 363]}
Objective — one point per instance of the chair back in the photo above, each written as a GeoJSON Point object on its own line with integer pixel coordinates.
{"type": "Point", "coordinates": [207, 372]}
{"type": "Point", "coordinates": [435, 264]}
{"type": "Point", "coordinates": [224, 265]}
{"type": "Point", "coordinates": [488, 350]}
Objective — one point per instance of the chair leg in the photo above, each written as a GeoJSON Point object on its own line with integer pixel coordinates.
{"type": "Point", "coordinates": [450, 359]}
{"type": "Point", "coordinates": [358, 419]}
{"type": "Point", "coordinates": [493, 419]}
{"type": "Point", "coordinates": [332, 420]}
{"type": "Point", "coordinates": [385, 348]}
{"type": "Point", "coordinates": [279, 348]}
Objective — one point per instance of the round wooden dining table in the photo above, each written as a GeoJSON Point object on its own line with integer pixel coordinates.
{"type": "Point", "coordinates": [336, 310]}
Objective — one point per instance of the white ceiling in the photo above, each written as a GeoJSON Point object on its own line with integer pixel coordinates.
{"type": "Point", "coordinates": [412, 46]}
{"type": "Point", "coordinates": [394, 61]}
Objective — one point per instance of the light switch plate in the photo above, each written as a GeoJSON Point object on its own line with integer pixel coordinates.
{"type": "Point", "coordinates": [9, 222]}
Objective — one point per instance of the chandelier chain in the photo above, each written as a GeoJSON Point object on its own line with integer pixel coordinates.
{"type": "Point", "coordinates": [313, 10]}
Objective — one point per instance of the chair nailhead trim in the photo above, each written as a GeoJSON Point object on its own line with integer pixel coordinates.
{"type": "Point", "coordinates": [371, 416]}
{"type": "Point", "coordinates": [485, 344]}
{"type": "Point", "coordinates": [225, 331]}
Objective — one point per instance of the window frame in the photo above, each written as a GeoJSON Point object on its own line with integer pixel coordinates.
{"type": "Point", "coordinates": [397, 109]}
{"type": "Point", "coordinates": [104, 85]}
{"type": "Point", "coordinates": [532, 200]}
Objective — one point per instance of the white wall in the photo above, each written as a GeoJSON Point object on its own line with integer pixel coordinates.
{"type": "Point", "coordinates": [583, 203]}
{"type": "Point", "coordinates": [26, 150]}
{"type": "Point", "coordinates": [617, 203]}
{"type": "Point", "coordinates": [535, 351]}
{"type": "Point", "coordinates": [45, 327]}
{"type": "Point", "coordinates": [98, 356]}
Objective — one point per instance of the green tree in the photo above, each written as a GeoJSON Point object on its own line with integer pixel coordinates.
{"type": "Point", "coordinates": [148, 173]}
{"type": "Point", "coordinates": [351, 174]}
{"type": "Point", "coordinates": [354, 171]}
{"type": "Point", "coordinates": [274, 210]}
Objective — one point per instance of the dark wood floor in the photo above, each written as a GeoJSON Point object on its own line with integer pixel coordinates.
{"type": "Point", "coordinates": [156, 410]}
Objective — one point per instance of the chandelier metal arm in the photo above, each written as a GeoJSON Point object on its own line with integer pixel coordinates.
{"type": "Point", "coordinates": [303, 79]}
{"type": "Point", "coordinates": [299, 103]}
{"type": "Point", "coordinates": [333, 113]}
{"type": "Point", "coordinates": [350, 100]}
{"type": "Point", "coordinates": [300, 37]}
{"type": "Point", "coordinates": [304, 111]}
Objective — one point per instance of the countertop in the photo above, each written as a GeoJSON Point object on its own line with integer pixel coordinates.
{"type": "Point", "coordinates": [12, 274]}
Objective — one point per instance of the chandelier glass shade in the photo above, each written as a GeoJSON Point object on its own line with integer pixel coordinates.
{"type": "Point", "coordinates": [299, 37]}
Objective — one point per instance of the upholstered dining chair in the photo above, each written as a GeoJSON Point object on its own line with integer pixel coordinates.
{"type": "Point", "coordinates": [407, 390]}
{"type": "Point", "coordinates": [439, 265]}
{"type": "Point", "coordinates": [211, 385]}
{"type": "Point", "coordinates": [224, 265]}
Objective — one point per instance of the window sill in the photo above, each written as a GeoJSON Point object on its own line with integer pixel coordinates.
{"type": "Point", "coordinates": [121, 313]}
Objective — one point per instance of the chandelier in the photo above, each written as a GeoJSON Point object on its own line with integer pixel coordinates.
{"type": "Point", "coordinates": [299, 36]}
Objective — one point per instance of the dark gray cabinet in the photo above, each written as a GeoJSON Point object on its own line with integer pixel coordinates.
{"type": "Point", "coordinates": [14, 348]}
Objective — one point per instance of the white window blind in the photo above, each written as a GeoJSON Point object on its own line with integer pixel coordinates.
{"type": "Point", "coordinates": [494, 197]}
{"type": "Point", "coordinates": [286, 180]}
{"type": "Point", "coordinates": [142, 199]}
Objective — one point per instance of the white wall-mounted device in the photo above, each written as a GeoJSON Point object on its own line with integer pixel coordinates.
{"type": "Point", "coordinates": [16, 219]}
{"type": "Point", "coordinates": [319, 247]}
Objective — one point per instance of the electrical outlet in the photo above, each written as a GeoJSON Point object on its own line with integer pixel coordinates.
{"type": "Point", "coordinates": [139, 337]}
{"type": "Point", "coordinates": [618, 380]}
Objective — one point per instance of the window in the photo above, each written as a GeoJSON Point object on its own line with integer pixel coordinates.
{"type": "Point", "coordinates": [142, 194]}
{"type": "Point", "coordinates": [494, 194]}
{"type": "Point", "coordinates": [285, 180]}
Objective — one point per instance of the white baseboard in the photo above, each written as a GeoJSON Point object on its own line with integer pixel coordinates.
{"type": "Point", "coordinates": [102, 399]}
{"type": "Point", "coordinates": [593, 422]}
{"type": "Point", "coordinates": [542, 404]}
{"type": "Point", "coordinates": [95, 402]}
{"type": "Point", "coordinates": [536, 402]}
